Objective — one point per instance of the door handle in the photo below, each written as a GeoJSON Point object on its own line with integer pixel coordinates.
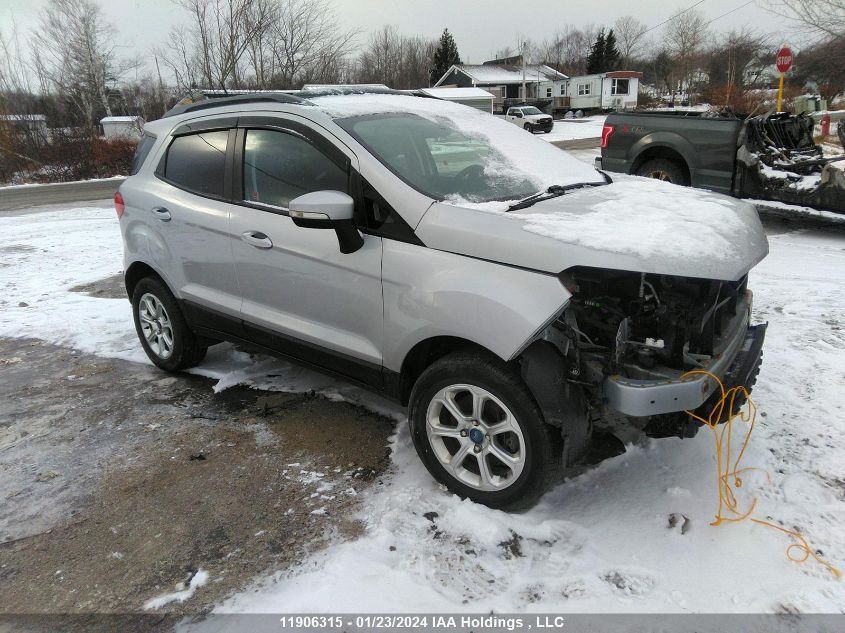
{"type": "Point", "coordinates": [161, 213]}
{"type": "Point", "coordinates": [257, 239]}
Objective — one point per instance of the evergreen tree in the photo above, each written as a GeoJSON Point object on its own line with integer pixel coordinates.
{"type": "Point", "coordinates": [445, 56]}
{"type": "Point", "coordinates": [595, 60]}
{"type": "Point", "coordinates": [611, 53]}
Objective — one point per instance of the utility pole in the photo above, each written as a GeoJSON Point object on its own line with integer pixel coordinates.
{"type": "Point", "coordinates": [522, 55]}
{"type": "Point", "coordinates": [161, 88]}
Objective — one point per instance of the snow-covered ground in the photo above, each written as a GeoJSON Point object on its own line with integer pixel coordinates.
{"type": "Point", "coordinates": [572, 129]}
{"type": "Point", "coordinates": [600, 541]}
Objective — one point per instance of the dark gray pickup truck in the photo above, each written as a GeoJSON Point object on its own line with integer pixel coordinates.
{"type": "Point", "coordinates": [769, 157]}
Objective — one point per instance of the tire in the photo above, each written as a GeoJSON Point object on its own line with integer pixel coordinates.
{"type": "Point", "coordinates": [438, 437]}
{"type": "Point", "coordinates": [528, 128]}
{"type": "Point", "coordinates": [185, 348]}
{"type": "Point", "coordinates": [663, 169]}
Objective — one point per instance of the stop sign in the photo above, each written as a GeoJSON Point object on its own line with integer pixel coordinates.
{"type": "Point", "coordinates": [784, 60]}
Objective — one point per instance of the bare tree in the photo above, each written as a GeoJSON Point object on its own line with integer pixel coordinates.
{"type": "Point", "coordinates": [568, 49]}
{"type": "Point", "coordinates": [260, 44]}
{"type": "Point", "coordinates": [14, 75]}
{"type": "Point", "coordinates": [737, 58]}
{"type": "Point", "coordinates": [823, 64]}
{"type": "Point", "coordinates": [685, 36]}
{"type": "Point", "coordinates": [220, 34]}
{"type": "Point", "coordinates": [75, 54]}
{"type": "Point", "coordinates": [823, 19]}
{"type": "Point", "coordinates": [396, 60]}
{"type": "Point", "coordinates": [309, 43]}
{"type": "Point", "coordinates": [630, 34]}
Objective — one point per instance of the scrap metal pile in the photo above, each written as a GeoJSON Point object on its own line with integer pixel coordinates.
{"type": "Point", "coordinates": [778, 159]}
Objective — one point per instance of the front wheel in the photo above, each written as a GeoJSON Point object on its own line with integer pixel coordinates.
{"type": "Point", "coordinates": [479, 432]}
{"type": "Point", "coordinates": [528, 128]}
{"type": "Point", "coordinates": [164, 334]}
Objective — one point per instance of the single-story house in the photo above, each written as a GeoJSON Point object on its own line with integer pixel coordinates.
{"type": "Point", "coordinates": [473, 97]}
{"type": "Point", "coordinates": [615, 90]}
{"type": "Point", "coordinates": [504, 81]}
{"type": "Point", "coordinates": [125, 126]}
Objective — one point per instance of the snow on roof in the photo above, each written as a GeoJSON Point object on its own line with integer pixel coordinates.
{"type": "Point", "coordinates": [613, 74]}
{"type": "Point", "coordinates": [457, 93]}
{"type": "Point", "coordinates": [120, 119]}
{"type": "Point", "coordinates": [359, 86]}
{"type": "Point", "coordinates": [499, 74]}
{"type": "Point", "coordinates": [22, 117]}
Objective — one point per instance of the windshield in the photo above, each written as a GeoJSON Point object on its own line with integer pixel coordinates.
{"type": "Point", "coordinates": [438, 159]}
{"type": "Point", "coordinates": [531, 110]}
{"type": "Point", "coordinates": [458, 154]}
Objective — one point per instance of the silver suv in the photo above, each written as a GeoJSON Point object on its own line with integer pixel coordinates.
{"type": "Point", "coordinates": [510, 295]}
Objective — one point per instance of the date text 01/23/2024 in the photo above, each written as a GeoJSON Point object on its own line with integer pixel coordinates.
{"type": "Point", "coordinates": [427, 622]}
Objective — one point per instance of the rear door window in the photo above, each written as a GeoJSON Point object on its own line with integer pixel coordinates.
{"type": "Point", "coordinates": [280, 166]}
{"type": "Point", "coordinates": [141, 153]}
{"type": "Point", "coordinates": [197, 162]}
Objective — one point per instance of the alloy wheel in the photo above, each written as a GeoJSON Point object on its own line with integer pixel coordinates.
{"type": "Point", "coordinates": [155, 325]}
{"type": "Point", "coordinates": [475, 437]}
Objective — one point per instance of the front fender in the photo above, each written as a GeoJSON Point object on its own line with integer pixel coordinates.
{"type": "Point", "coordinates": [430, 293]}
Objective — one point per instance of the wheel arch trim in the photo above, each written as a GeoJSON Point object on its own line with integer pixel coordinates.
{"type": "Point", "coordinates": [139, 269]}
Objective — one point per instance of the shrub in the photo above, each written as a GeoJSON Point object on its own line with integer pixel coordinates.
{"type": "Point", "coordinates": [63, 155]}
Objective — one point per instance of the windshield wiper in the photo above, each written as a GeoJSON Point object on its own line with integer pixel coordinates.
{"type": "Point", "coordinates": [554, 191]}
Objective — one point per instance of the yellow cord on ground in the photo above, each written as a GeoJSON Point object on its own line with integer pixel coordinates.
{"type": "Point", "coordinates": [729, 475]}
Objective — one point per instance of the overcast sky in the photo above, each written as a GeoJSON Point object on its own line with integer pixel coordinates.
{"type": "Point", "coordinates": [480, 27]}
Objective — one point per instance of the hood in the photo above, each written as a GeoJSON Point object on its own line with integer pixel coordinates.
{"type": "Point", "coordinates": [537, 117]}
{"type": "Point", "coordinates": [635, 224]}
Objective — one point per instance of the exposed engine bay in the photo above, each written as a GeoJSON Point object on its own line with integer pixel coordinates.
{"type": "Point", "coordinates": [638, 323]}
{"type": "Point", "coordinates": [647, 327]}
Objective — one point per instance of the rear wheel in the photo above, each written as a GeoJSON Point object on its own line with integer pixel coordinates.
{"type": "Point", "coordinates": [479, 432]}
{"type": "Point", "coordinates": [164, 334]}
{"type": "Point", "coordinates": [663, 169]}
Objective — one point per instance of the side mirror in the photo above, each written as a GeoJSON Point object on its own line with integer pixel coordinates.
{"type": "Point", "coordinates": [328, 210]}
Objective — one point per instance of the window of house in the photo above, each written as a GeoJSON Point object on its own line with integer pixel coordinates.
{"type": "Point", "coordinates": [619, 86]}
{"type": "Point", "coordinates": [562, 90]}
{"type": "Point", "coordinates": [281, 166]}
{"type": "Point", "coordinates": [197, 162]}
{"type": "Point", "coordinates": [584, 90]}
{"type": "Point", "coordinates": [549, 91]}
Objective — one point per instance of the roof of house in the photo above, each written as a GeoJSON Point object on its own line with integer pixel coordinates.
{"type": "Point", "coordinates": [502, 74]}
{"type": "Point", "coordinates": [120, 119]}
{"type": "Point", "coordinates": [457, 93]}
{"type": "Point", "coordinates": [613, 74]}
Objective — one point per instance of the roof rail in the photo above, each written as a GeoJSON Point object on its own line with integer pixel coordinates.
{"type": "Point", "coordinates": [216, 102]}
{"type": "Point", "coordinates": [350, 89]}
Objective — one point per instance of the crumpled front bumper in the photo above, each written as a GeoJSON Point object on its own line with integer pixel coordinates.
{"type": "Point", "coordinates": [737, 365]}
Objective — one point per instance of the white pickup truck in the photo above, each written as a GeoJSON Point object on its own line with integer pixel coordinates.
{"type": "Point", "coordinates": [530, 118]}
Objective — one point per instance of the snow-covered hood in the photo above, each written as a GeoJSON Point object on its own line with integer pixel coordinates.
{"type": "Point", "coordinates": [634, 224]}
{"type": "Point", "coordinates": [536, 118]}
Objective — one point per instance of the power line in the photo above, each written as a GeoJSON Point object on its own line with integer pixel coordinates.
{"type": "Point", "coordinates": [731, 11]}
{"type": "Point", "coordinates": [657, 26]}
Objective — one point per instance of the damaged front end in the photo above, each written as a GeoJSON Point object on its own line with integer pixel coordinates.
{"type": "Point", "coordinates": [778, 159]}
{"type": "Point", "coordinates": [630, 338]}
